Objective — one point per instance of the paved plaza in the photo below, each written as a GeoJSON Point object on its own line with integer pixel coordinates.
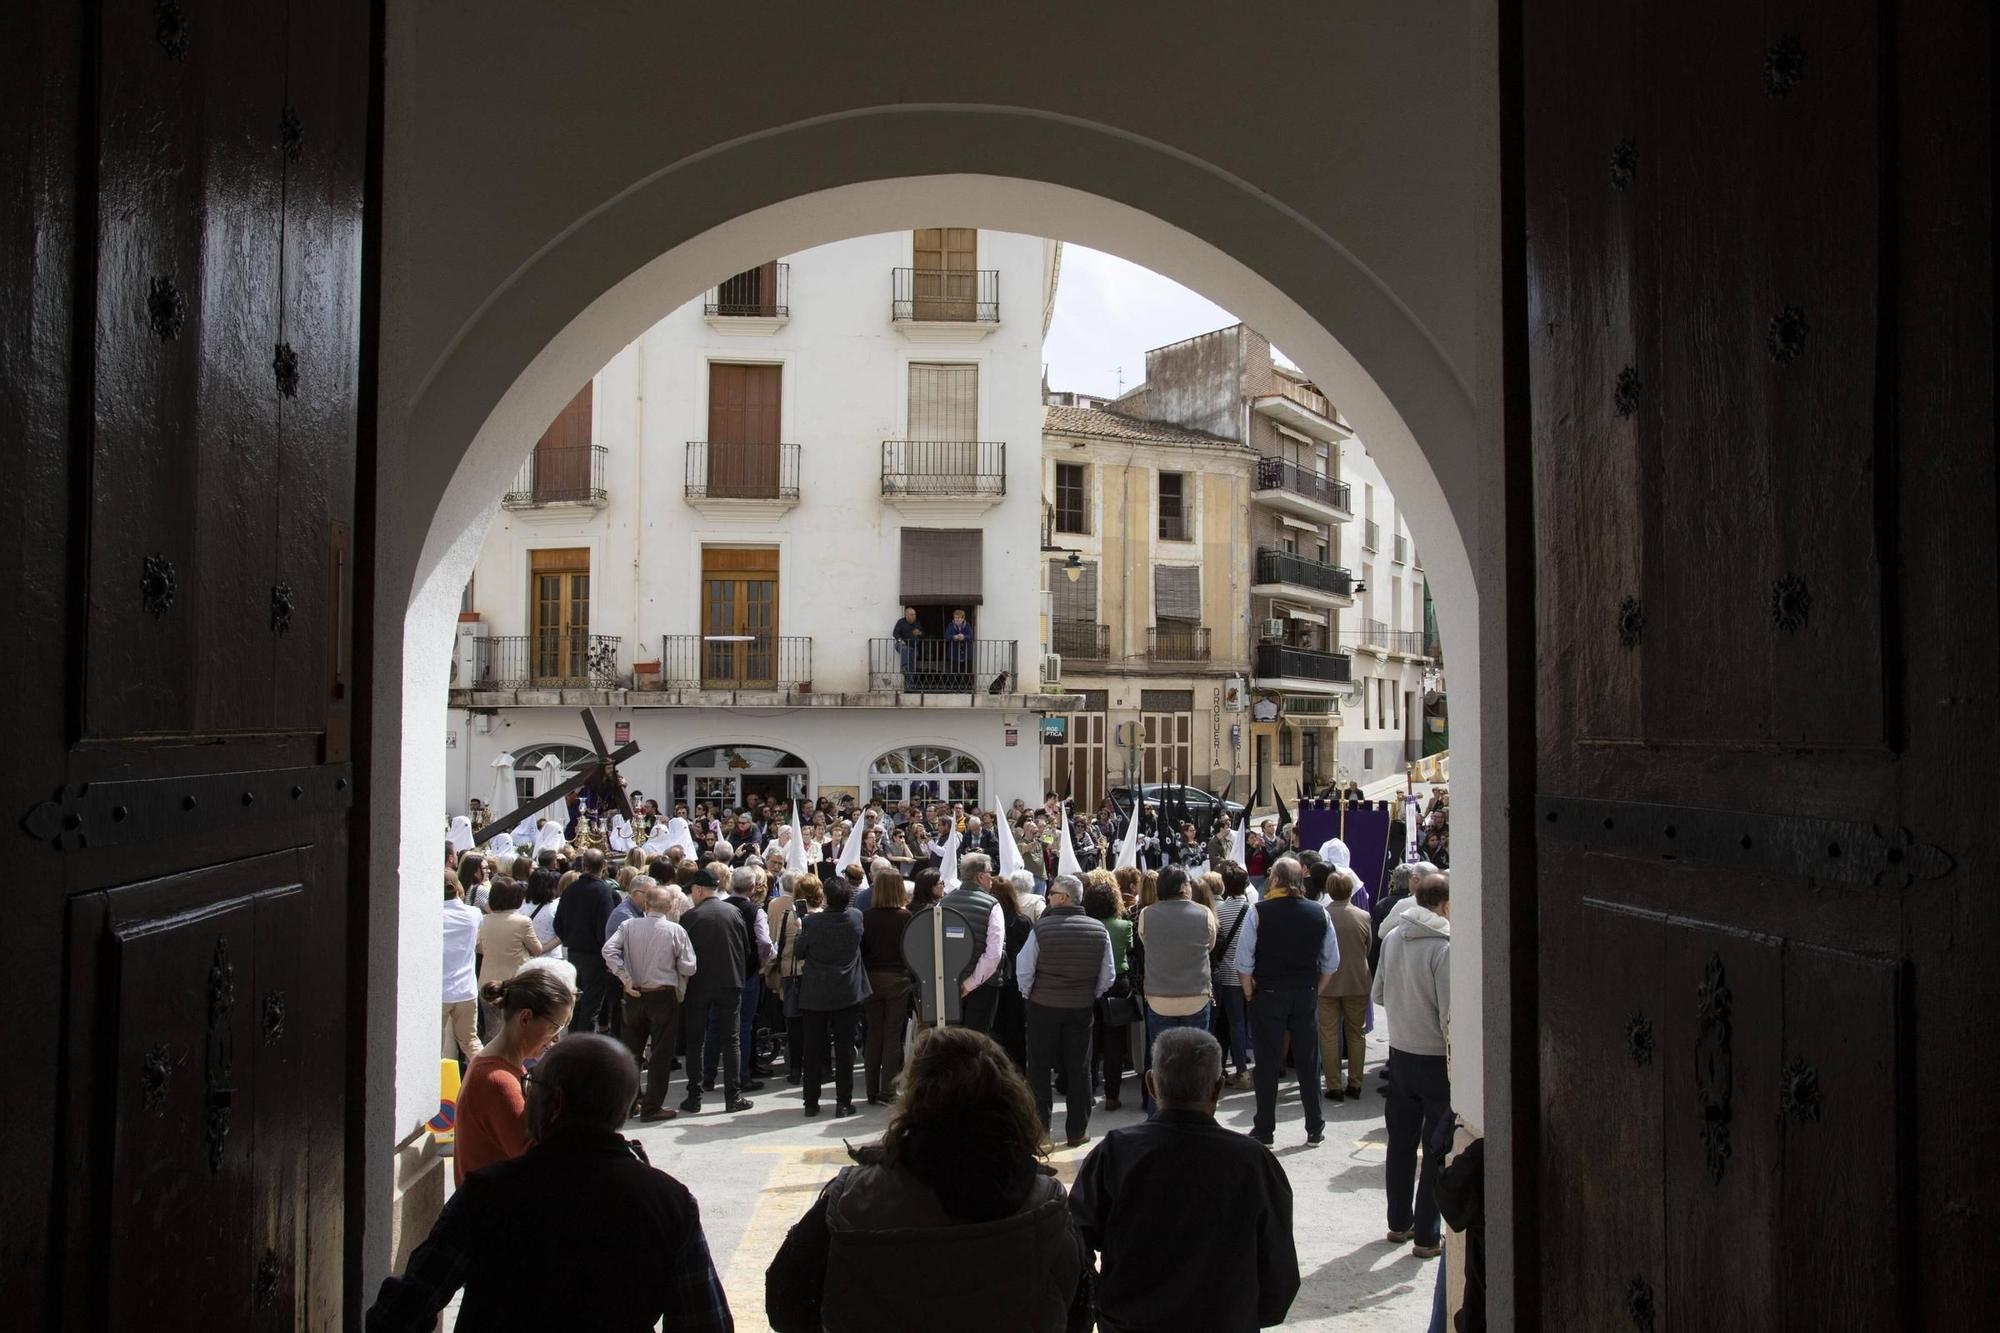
{"type": "Point", "coordinates": [756, 1172]}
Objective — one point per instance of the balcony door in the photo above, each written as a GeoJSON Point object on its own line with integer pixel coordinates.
{"type": "Point", "coordinates": [744, 422]}
{"type": "Point", "coordinates": [562, 470]}
{"type": "Point", "coordinates": [739, 618]}
{"type": "Point", "coordinates": [941, 453]}
{"type": "Point", "coordinates": [560, 630]}
{"type": "Point", "coordinates": [946, 277]}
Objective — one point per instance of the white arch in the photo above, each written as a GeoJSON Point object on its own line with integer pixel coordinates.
{"type": "Point", "coordinates": [466, 420]}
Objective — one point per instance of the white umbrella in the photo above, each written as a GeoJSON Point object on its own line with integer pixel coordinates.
{"type": "Point", "coordinates": [506, 794]}
{"type": "Point", "coordinates": [549, 772]}
{"type": "Point", "coordinates": [1066, 862]}
{"type": "Point", "coordinates": [795, 849]}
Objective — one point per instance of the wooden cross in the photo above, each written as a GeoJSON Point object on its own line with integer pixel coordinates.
{"type": "Point", "coordinates": [605, 766]}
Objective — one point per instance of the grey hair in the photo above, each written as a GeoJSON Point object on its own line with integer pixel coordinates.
{"type": "Point", "coordinates": [641, 884]}
{"type": "Point", "coordinates": [974, 864]}
{"type": "Point", "coordinates": [1023, 882]}
{"type": "Point", "coordinates": [1187, 1064]}
{"type": "Point", "coordinates": [743, 879]}
{"type": "Point", "coordinates": [1069, 886]}
{"type": "Point", "coordinates": [1288, 872]}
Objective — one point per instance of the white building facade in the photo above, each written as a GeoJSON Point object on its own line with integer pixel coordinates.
{"type": "Point", "coordinates": [713, 544]}
{"type": "Point", "coordinates": [1385, 634]}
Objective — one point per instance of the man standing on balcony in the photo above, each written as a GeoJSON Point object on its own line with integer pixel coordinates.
{"type": "Point", "coordinates": [906, 634]}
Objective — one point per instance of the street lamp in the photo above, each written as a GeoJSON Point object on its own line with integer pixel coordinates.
{"type": "Point", "coordinates": [1073, 567]}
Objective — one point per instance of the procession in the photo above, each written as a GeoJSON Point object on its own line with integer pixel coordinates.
{"type": "Point", "coordinates": [1000, 976]}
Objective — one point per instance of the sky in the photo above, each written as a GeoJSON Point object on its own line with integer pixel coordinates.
{"type": "Point", "coordinates": [1108, 312]}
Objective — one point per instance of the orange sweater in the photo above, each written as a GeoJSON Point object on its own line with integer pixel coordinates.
{"type": "Point", "coordinates": [492, 1116]}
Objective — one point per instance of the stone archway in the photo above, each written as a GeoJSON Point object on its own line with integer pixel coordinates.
{"type": "Point", "coordinates": [462, 417]}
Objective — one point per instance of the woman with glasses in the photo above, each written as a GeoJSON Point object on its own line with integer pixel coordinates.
{"type": "Point", "coordinates": [535, 1007]}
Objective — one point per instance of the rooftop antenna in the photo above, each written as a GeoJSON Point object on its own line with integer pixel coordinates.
{"type": "Point", "coordinates": [1121, 381]}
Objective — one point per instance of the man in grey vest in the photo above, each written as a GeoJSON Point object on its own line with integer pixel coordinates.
{"type": "Point", "coordinates": [1178, 933]}
{"type": "Point", "coordinates": [1063, 968]}
{"type": "Point", "coordinates": [980, 988]}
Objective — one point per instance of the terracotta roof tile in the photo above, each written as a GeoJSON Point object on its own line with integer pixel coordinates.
{"type": "Point", "coordinates": [1115, 426]}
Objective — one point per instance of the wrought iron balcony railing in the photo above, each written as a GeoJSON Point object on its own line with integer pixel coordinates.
{"type": "Point", "coordinates": [1408, 641]}
{"type": "Point", "coordinates": [1275, 474]}
{"type": "Point", "coordinates": [1177, 643]}
{"type": "Point", "coordinates": [1276, 660]}
{"type": "Point", "coordinates": [736, 471]}
{"type": "Point", "coordinates": [944, 468]}
{"type": "Point", "coordinates": [1079, 640]}
{"type": "Point", "coordinates": [1297, 570]}
{"type": "Point", "coordinates": [549, 659]}
{"type": "Point", "coordinates": [736, 661]}
{"type": "Point", "coordinates": [569, 475]}
{"type": "Point", "coordinates": [763, 292]}
{"type": "Point", "coordinates": [968, 296]}
{"type": "Point", "coordinates": [941, 666]}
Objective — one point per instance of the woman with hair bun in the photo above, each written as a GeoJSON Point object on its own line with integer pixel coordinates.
{"type": "Point", "coordinates": [534, 1007]}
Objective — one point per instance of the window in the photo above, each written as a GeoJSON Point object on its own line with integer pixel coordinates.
{"type": "Point", "coordinates": [466, 604]}
{"type": "Point", "coordinates": [730, 774]}
{"type": "Point", "coordinates": [1073, 611]}
{"type": "Point", "coordinates": [1367, 702]}
{"type": "Point", "coordinates": [529, 780]}
{"type": "Point", "coordinates": [559, 609]}
{"type": "Point", "coordinates": [945, 281]}
{"type": "Point", "coordinates": [1072, 498]}
{"type": "Point", "coordinates": [739, 617]}
{"type": "Point", "coordinates": [1368, 759]}
{"type": "Point", "coordinates": [924, 773]}
{"type": "Point", "coordinates": [744, 415]}
{"type": "Point", "coordinates": [561, 468]}
{"type": "Point", "coordinates": [1178, 634]}
{"type": "Point", "coordinates": [753, 292]}
{"type": "Point", "coordinates": [1285, 758]}
{"type": "Point", "coordinates": [1175, 524]}
{"type": "Point", "coordinates": [944, 401]}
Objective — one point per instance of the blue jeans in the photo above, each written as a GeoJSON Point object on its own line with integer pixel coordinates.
{"type": "Point", "coordinates": [1156, 1023]}
{"type": "Point", "coordinates": [1237, 1017]}
{"type": "Point", "coordinates": [906, 653]}
{"type": "Point", "coordinates": [1440, 1322]}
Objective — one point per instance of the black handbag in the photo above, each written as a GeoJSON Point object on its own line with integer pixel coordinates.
{"type": "Point", "coordinates": [1221, 951]}
{"type": "Point", "coordinates": [1119, 1009]}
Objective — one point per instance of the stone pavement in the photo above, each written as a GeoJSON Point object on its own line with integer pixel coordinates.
{"type": "Point", "coordinates": [756, 1172]}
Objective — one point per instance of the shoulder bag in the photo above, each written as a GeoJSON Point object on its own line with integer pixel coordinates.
{"type": "Point", "coordinates": [1222, 950]}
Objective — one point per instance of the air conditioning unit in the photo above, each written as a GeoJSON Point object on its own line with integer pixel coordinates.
{"type": "Point", "coordinates": [465, 656]}
{"type": "Point", "coordinates": [1273, 631]}
{"type": "Point", "coordinates": [1051, 668]}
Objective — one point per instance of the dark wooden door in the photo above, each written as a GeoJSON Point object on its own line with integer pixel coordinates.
{"type": "Point", "coordinates": [739, 617]}
{"type": "Point", "coordinates": [564, 471]}
{"type": "Point", "coordinates": [946, 260]}
{"type": "Point", "coordinates": [1756, 327]}
{"type": "Point", "coordinates": [181, 286]}
{"type": "Point", "coordinates": [559, 629]}
{"type": "Point", "coordinates": [745, 412]}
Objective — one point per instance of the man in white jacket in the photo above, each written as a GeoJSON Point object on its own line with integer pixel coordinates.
{"type": "Point", "coordinates": [1413, 983]}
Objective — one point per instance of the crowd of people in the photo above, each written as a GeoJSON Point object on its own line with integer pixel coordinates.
{"type": "Point", "coordinates": [696, 945]}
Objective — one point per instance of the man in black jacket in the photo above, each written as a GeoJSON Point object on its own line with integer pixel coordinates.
{"type": "Point", "coordinates": [1180, 1174]}
{"type": "Point", "coordinates": [721, 953]}
{"type": "Point", "coordinates": [581, 916]}
{"type": "Point", "coordinates": [578, 1168]}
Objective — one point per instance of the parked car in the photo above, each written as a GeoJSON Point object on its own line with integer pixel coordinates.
{"type": "Point", "coordinates": [1203, 806]}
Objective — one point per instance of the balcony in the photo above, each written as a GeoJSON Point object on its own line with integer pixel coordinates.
{"type": "Point", "coordinates": [565, 476]}
{"type": "Point", "coordinates": [1302, 493]}
{"type": "Point", "coordinates": [935, 666]}
{"type": "Point", "coordinates": [1303, 410]}
{"type": "Point", "coordinates": [1308, 670]}
{"type": "Point", "coordinates": [1399, 550]}
{"type": "Point", "coordinates": [1371, 535]}
{"type": "Point", "coordinates": [757, 662]}
{"type": "Point", "coordinates": [1078, 641]}
{"type": "Point", "coordinates": [1177, 643]}
{"type": "Point", "coordinates": [546, 661]}
{"type": "Point", "coordinates": [1377, 638]}
{"type": "Point", "coordinates": [755, 301]}
{"type": "Point", "coordinates": [735, 477]}
{"type": "Point", "coordinates": [1283, 574]}
{"type": "Point", "coordinates": [1176, 525]}
{"type": "Point", "coordinates": [944, 305]}
{"type": "Point", "coordinates": [944, 478]}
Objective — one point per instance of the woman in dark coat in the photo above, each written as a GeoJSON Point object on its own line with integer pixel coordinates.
{"type": "Point", "coordinates": [832, 985]}
{"type": "Point", "coordinates": [1010, 1016]}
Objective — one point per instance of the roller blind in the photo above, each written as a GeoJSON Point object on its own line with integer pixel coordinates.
{"type": "Point", "coordinates": [944, 401]}
{"type": "Point", "coordinates": [1074, 601]}
{"type": "Point", "coordinates": [1177, 592]}
{"type": "Point", "coordinates": [941, 566]}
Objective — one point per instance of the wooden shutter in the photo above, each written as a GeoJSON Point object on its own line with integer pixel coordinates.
{"type": "Point", "coordinates": [941, 566]}
{"type": "Point", "coordinates": [1074, 601]}
{"type": "Point", "coordinates": [745, 409]}
{"type": "Point", "coordinates": [1177, 592]}
{"type": "Point", "coordinates": [944, 402]}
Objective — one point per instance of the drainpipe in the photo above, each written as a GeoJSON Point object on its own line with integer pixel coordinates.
{"type": "Point", "coordinates": [639, 494]}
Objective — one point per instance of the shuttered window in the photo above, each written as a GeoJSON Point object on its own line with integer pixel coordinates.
{"type": "Point", "coordinates": [1074, 601]}
{"type": "Point", "coordinates": [941, 566]}
{"type": "Point", "coordinates": [944, 401]}
{"type": "Point", "coordinates": [1177, 592]}
{"type": "Point", "coordinates": [1072, 498]}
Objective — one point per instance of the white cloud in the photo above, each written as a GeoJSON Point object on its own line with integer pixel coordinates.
{"type": "Point", "coordinates": [1109, 312]}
